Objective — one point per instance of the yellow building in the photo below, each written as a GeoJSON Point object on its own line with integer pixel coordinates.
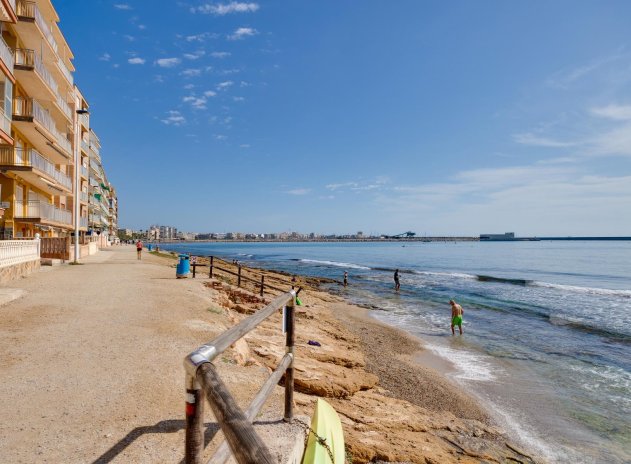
{"type": "Point", "coordinates": [44, 128]}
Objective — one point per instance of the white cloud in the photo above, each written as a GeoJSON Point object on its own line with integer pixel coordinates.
{"type": "Point", "coordinates": [615, 112]}
{"type": "Point", "coordinates": [201, 37]}
{"type": "Point", "coordinates": [222, 9]}
{"type": "Point", "coordinates": [122, 6]}
{"type": "Point", "coordinates": [242, 33]}
{"type": "Point", "coordinates": [130, 38]}
{"type": "Point", "coordinates": [198, 103]}
{"type": "Point", "coordinates": [191, 72]}
{"type": "Point", "coordinates": [189, 86]}
{"type": "Point", "coordinates": [210, 93]}
{"type": "Point", "coordinates": [174, 118]}
{"type": "Point", "coordinates": [538, 141]}
{"type": "Point", "coordinates": [220, 136]}
{"type": "Point", "coordinates": [105, 57]}
{"type": "Point", "coordinates": [238, 99]}
{"type": "Point", "coordinates": [244, 145]}
{"type": "Point", "coordinates": [136, 60]}
{"type": "Point", "coordinates": [220, 54]}
{"type": "Point", "coordinates": [530, 200]}
{"type": "Point", "coordinates": [298, 191]}
{"type": "Point", "coordinates": [224, 85]}
{"type": "Point", "coordinates": [194, 56]}
{"type": "Point", "coordinates": [168, 62]}
{"type": "Point", "coordinates": [142, 27]}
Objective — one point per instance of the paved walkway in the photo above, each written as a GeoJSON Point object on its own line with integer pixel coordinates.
{"type": "Point", "coordinates": [91, 361]}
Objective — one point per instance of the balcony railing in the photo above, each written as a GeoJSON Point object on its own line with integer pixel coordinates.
{"type": "Point", "coordinates": [29, 59]}
{"type": "Point", "coordinates": [6, 54]}
{"type": "Point", "coordinates": [29, 108]}
{"type": "Point", "coordinates": [10, 156]}
{"type": "Point", "coordinates": [65, 108]}
{"type": "Point", "coordinates": [5, 122]}
{"type": "Point", "coordinates": [85, 146]}
{"type": "Point", "coordinates": [29, 10]}
{"type": "Point", "coordinates": [85, 120]}
{"type": "Point", "coordinates": [84, 171]}
{"type": "Point", "coordinates": [37, 209]}
{"type": "Point", "coordinates": [65, 71]}
{"type": "Point", "coordinates": [83, 222]}
{"type": "Point", "coordinates": [84, 196]}
{"type": "Point", "coordinates": [95, 149]}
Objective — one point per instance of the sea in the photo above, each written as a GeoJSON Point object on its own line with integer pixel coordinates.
{"type": "Point", "coordinates": [547, 325]}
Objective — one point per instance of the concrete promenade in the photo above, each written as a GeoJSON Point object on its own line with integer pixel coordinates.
{"type": "Point", "coordinates": [91, 360]}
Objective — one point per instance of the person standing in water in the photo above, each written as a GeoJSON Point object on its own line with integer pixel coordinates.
{"type": "Point", "coordinates": [345, 278]}
{"type": "Point", "coordinates": [456, 316]}
{"type": "Point", "coordinates": [397, 284]}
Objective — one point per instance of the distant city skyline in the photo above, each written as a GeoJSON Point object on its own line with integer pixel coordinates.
{"type": "Point", "coordinates": [444, 118]}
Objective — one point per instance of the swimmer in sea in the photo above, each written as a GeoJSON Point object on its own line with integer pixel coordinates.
{"type": "Point", "coordinates": [456, 316]}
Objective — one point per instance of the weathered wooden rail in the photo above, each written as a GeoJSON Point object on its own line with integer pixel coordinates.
{"type": "Point", "coordinates": [212, 267]}
{"type": "Point", "coordinates": [202, 378]}
{"type": "Point", "coordinates": [55, 247]}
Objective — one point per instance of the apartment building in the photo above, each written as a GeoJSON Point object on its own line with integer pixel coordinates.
{"type": "Point", "coordinates": [46, 144]}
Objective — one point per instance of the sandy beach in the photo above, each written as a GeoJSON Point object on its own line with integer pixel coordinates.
{"type": "Point", "coordinates": [91, 362]}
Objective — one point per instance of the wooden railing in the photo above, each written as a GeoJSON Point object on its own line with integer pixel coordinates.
{"type": "Point", "coordinates": [202, 378]}
{"type": "Point", "coordinates": [213, 266]}
{"type": "Point", "coordinates": [18, 251]}
{"type": "Point", "coordinates": [55, 247]}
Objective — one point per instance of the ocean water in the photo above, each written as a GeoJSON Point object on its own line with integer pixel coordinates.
{"type": "Point", "coordinates": [547, 342]}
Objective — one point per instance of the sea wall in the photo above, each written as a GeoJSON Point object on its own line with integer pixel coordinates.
{"type": "Point", "coordinates": [16, 271]}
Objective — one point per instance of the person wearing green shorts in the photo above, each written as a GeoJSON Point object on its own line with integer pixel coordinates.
{"type": "Point", "coordinates": [456, 316]}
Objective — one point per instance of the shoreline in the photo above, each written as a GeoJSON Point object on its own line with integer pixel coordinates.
{"type": "Point", "coordinates": [371, 368]}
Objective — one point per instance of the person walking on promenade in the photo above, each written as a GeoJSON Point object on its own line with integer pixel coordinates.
{"type": "Point", "coordinates": [397, 284]}
{"type": "Point", "coordinates": [456, 316]}
{"type": "Point", "coordinates": [139, 249]}
{"type": "Point", "coordinates": [345, 278]}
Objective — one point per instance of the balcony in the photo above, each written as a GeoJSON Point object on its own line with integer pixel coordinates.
{"type": "Point", "coordinates": [83, 222]}
{"type": "Point", "coordinates": [84, 119]}
{"type": "Point", "coordinates": [41, 212]}
{"type": "Point", "coordinates": [36, 123]}
{"type": "Point", "coordinates": [35, 169]}
{"type": "Point", "coordinates": [84, 172]}
{"type": "Point", "coordinates": [63, 69]}
{"type": "Point", "coordinates": [6, 55]}
{"type": "Point", "coordinates": [33, 75]}
{"type": "Point", "coordinates": [7, 11]}
{"type": "Point", "coordinates": [28, 15]}
{"type": "Point", "coordinates": [84, 197]}
{"type": "Point", "coordinates": [84, 146]}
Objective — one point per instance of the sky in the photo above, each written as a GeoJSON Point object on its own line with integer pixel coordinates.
{"type": "Point", "coordinates": [438, 117]}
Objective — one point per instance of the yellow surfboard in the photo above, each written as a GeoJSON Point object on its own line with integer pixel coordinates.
{"type": "Point", "coordinates": [326, 423]}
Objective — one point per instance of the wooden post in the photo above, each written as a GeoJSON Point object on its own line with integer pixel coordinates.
{"type": "Point", "coordinates": [194, 422]}
{"type": "Point", "coordinates": [262, 284]}
{"type": "Point", "coordinates": [239, 278]}
{"type": "Point", "coordinates": [247, 447]}
{"type": "Point", "coordinates": [289, 344]}
{"type": "Point", "coordinates": [194, 266]}
{"type": "Point", "coordinates": [210, 272]}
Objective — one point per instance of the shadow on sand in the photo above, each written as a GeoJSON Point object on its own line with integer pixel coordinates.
{"type": "Point", "coordinates": [165, 426]}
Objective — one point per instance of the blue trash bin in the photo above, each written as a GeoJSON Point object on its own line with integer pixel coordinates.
{"type": "Point", "coordinates": [149, 246]}
{"type": "Point", "coordinates": [183, 267]}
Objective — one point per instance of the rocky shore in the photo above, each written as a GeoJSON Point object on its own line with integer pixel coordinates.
{"type": "Point", "coordinates": [392, 408]}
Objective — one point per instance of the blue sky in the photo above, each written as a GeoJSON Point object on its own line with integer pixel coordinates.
{"type": "Point", "coordinates": [333, 117]}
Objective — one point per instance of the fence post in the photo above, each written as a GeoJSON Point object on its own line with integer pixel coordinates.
{"type": "Point", "coordinates": [262, 284]}
{"type": "Point", "coordinates": [239, 278]}
{"type": "Point", "coordinates": [289, 344]}
{"type": "Point", "coordinates": [194, 266]}
{"type": "Point", "coordinates": [210, 272]}
{"type": "Point", "coordinates": [194, 422]}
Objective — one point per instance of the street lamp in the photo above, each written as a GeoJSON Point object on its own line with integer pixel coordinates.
{"type": "Point", "coordinates": [77, 159]}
